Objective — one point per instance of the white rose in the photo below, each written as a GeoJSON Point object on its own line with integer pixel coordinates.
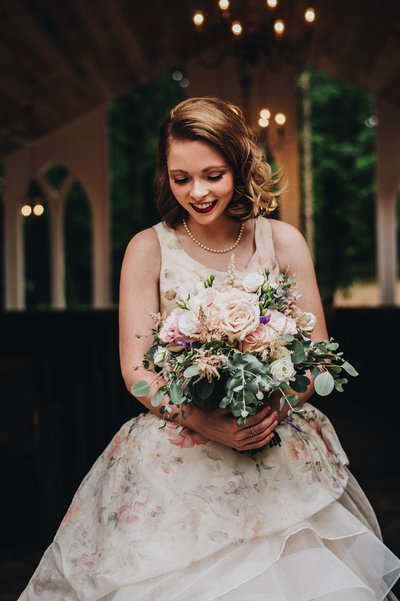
{"type": "Point", "coordinates": [253, 281]}
{"type": "Point", "coordinates": [283, 369]}
{"type": "Point", "coordinates": [159, 356]}
{"type": "Point", "coordinates": [187, 323]}
{"type": "Point", "coordinates": [195, 302]}
{"type": "Point", "coordinates": [237, 312]}
{"type": "Point", "coordinates": [306, 322]}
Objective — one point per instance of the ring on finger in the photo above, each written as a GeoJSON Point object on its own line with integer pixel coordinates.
{"type": "Point", "coordinates": [251, 431]}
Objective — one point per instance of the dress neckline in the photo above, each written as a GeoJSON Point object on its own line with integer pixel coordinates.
{"type": "Point", "coordinates": [212, 269]}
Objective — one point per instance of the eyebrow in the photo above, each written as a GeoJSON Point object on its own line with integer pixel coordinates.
{"type": "Point", "coordinates": [203, 171]}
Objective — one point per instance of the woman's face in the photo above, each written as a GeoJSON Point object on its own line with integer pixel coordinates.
{"type": "Point", "coordinates": [200, 179]}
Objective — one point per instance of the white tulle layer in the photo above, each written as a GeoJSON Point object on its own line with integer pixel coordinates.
{"type": "Point", "coordinates": [167, 518]}
{"type": "Point", "coordinates": [332, 556]}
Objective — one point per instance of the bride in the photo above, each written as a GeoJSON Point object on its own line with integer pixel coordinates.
{"type": "Point", "coordinates": [167, 517]}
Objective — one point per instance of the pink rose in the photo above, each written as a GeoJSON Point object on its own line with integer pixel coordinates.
{"type": "Point", "coordinates": [237, 312]}
{"type": "Point", "coordinates": [186, 439]}
{"type": "Point", "coordinates": [259, 340]}
{"type": "Point", "coordinates": [170, 329]}
{"type": "Point", "coordinates": [208, 295]}
{"type": "Point", "coordinates": [280, 323]}
{"type": "Point", "coordinates": [128, 515]}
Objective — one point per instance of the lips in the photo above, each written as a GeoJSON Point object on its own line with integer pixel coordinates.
{"type": "Point", "coordinates": [204, 207]}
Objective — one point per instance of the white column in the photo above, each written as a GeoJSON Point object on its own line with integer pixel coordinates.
{"type": "Point", "coordinates": [388, 185]}
{"type": "Point", "coordinates": [14, 257]}
{"type": "Point", "coordinates": [14, 264]}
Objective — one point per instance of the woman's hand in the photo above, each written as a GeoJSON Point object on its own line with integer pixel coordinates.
{"type": "Point", "coordinates": [221, 426]}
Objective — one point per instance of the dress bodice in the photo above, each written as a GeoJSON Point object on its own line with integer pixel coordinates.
{"type": "Point", "coordinates": [180, 272]}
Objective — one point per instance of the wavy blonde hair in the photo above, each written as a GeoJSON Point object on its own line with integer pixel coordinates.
{"type": "Point", "coordinates": [221, 125]}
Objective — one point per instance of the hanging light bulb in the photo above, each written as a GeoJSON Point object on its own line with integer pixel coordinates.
{"type": "Point", "coordinates": [309, 15]}
{"type": "Point", "coordinates": [272, 3]}
{"type": "Point", "coordinates": [265, 114]}
{"type": "Point", "coordinates": [280, 119]}
{"type": "Point", "coordinates": [26, 210]}
{"type": "Point", "coordinates": [279, 26]}
{"type": "Point", "coordinates": [237, 28]}
{"type": "Point", "coordinates": [263, 122]}
{"type": "Point", "coordinates": [198, 18]}
{"type": "Point", "coordinates": [223, 4]}
{"type": "Point", "coordinates": [38, 210]}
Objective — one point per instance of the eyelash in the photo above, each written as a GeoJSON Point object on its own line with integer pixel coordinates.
{"type": "Point", "coordinates": [211, 178]}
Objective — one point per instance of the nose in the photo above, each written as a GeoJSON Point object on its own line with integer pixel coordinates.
{"type": "Point", "coordinates": [199, 190]}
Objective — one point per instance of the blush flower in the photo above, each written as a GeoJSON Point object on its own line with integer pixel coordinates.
{"type": "Point", "coordinates": [281, 323]}
{"type": "Point", "coordinates": [170, 329]}
{"type": "Point", "coordinates": [260, 340]}
{"type": "Point", "coordinates": [238, 313]}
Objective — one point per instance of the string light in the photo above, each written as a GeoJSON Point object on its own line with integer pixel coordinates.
{"type": "Point", "coordinates": [38, 210]}
{"type": "Point", "coordinates": [272, 3]}
{"type": "Point", "coordinates": [280, 119]}
{"type": "Point", "coordinates": [223, 4]}
{"type": "Point", "coordinates": [263, 122]}
{"type": "Point", "coordinates": [237, 28]}
{"type": "Point", "coordinates": [309, 15]}
{"type": "Point", "coordinates": [26, 210]}
{"type": "Point", "coordinates": [198, 18]}
{"type": "Point", "coordinates": [279, 26]}
{"type": "Point", "coordinates": [265, 114]}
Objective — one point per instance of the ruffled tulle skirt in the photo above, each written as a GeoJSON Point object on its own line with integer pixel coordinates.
{"type": "Point", "coordinates": [163, 517]}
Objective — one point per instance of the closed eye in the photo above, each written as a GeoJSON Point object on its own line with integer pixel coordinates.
{"type": "Point", "coordinates": [214, 178]}
{"type": "Point", "coordinates": [181, 180]}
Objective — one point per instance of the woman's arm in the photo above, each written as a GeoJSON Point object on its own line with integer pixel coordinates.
{"type": "Point", "coordinates": [139, 297]}
{"type": "Point", "coordinates": [293, 255]}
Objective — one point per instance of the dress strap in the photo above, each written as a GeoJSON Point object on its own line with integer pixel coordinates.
{"type": "Point", "coordinates": [265, 245]}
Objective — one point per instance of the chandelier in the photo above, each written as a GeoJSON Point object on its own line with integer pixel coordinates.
{"type": "Point", "coordinates": [250, 31]}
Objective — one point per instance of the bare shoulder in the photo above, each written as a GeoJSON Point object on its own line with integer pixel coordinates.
{"type": "Point", "coordinates": [289, 243]}
{"type": "Point", "coordinates": [143, 251]}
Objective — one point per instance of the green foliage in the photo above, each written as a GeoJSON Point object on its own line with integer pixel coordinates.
{"type": "Point", "coordinates": [134, 123]}
{"type": "Point", "coordinates": [343, 180]}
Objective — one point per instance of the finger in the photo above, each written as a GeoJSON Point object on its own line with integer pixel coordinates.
{"type": "Point", "coordinates": [259, 431]}
{"type": "Point", "coordinates": [254, 445]}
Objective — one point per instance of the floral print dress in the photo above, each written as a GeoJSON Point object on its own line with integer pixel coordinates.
{"type": "Point", "coordinates": [163, 517]}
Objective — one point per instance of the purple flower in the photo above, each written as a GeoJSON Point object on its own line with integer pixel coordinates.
{"type": "Point", "coordinates": [184, 343]}
{"type": "Point", "coordinates": [265, 318]}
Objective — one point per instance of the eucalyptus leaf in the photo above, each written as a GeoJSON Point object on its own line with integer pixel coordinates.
{"type": "Point", "coordinates": [288, 337]}
{"type": "Point", "coordinates": [204, 388]}
{"type": "Point", "coordinates": [350, 369]}
{"type": "Point", "coordinates": [293, 399]}
{"type": "Point", "coordinates": [175, 394]}
{"type": "Point", "coordinates": [161, 423]}
{"type": "Point", "coordinates": [157, 398]}
{"type": "Point", "coordinates": [191, 371]}
{"type": "Point", "coordinates": [298, 355]}
{"type": "Point", "coordinates": [324, 383]}
{"type": "Point", "coordinates": [300, 384]}
{"type": "Point", "coordinates": [314, 372]}
{"type": "Point", "coordinates": [140, 388]}
{"type": "Point", "coordinates": [332, 346]}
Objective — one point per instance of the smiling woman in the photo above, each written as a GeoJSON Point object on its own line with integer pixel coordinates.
{"type": "Point", "coordinates": [165, 518]}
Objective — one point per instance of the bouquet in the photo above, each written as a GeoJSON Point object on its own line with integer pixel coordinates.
{"type": "Point", "coordinates": [232, 346]}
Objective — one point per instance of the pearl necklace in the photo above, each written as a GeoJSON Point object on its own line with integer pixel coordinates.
{"type": "Point", "coordinates": [213, 250]}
